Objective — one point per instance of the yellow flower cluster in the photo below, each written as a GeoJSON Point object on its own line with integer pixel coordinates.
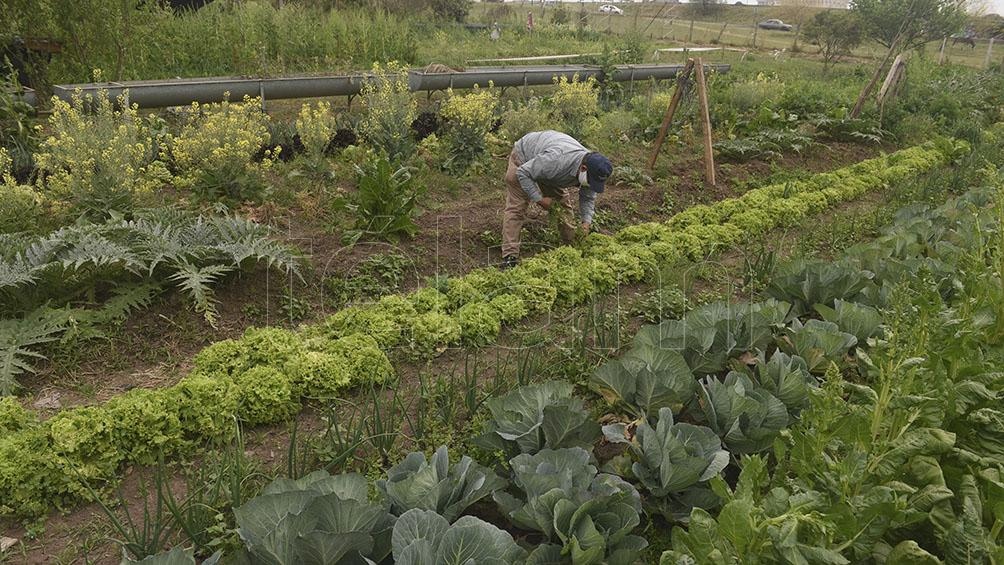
{"type": "Point", "coordinates": [316, 125]}
{"type": "Point", "coordinates": [574, 102]}
{"type": "Point", "coordinates": [221, 137]}
{"type": "Point", "coordinates": [575, 99]}
{"type": "Point", "coordinates": [99, 150]}
{"type": "Point", "coordinates": [390, 110]}
{"type": "Point", "coordinates": [474, 110]}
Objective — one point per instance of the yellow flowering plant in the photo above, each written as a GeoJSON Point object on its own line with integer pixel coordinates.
{"type": "Point", "coordinates": [216, 152]}
{"type": "Point", "coordinates": [390, 111]}
{"type": "Point", "coordinates": [573, 102]}
{"type": "Point", "coordinates": [100, 155]}
{"type": "Point", "coordinates": [316, 125]}
{"type": "Point", "coordinates": [469, 119]}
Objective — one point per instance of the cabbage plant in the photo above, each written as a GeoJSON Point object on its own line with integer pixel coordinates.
{"type": "Point", "coordinates": [423, 537]}
{"type": "Point", "coordinates": [858, 320]}
{"type": "Point", "coordinates": [645, 380]}
{"type": "Point", "coordinates": [817, 342]}
{"type": "Point", "coordinates": [675, 456]}
{"type": "Point", "coordinates": [535, 417]}
{"type": "Point", "coordinates": [591, 515]}
{"type": "Point", "coordinates": [319, 519]}
{"type": "Point", "coordinates": [437, 486]}
{"type": "Point", "coordinates": [707, 337]}
{"type": "Point", "coordinates": [747, 417]}
{"type": "Point", "coordinates": [787, 378]}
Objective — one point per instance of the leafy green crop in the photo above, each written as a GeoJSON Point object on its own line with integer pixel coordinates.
{"type": "Point", "coordinates": [818, 343]}
{"type": "Point", "coordinates": [316, 519]}
{"type": "Point", "coordinates": [746, 416]}
{"type": "Point", "coordinates": [535, 417]}
{"type": "Point", "coordinates": [645, 380]}
{"type": "Point", "coordinates": [436, 485]}
{"type": "Point", "coordinates": [590, 514]}
{"type": "Point", "coordinates": [422, 537]}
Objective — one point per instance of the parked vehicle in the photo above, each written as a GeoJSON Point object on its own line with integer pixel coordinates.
{"type": "Point", "coordinates": [777, 25]}
{"type": "Point", "coordinates": [611, 9]}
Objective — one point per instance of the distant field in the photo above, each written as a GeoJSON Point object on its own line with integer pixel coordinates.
{"type": "Point", "coordinates": [675, 25]}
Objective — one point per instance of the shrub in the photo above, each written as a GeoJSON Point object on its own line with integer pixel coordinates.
{"type": "Point", "coordinates": [316, 125]}
{"type": "Point", "coordinates": [519, 120]}
{"type": "Point", "coordinates": [20, 205]}
{"type": "Point", "coordinates": [265, 395]}
{"type": "Point", "coordinates": [469, 119]}
{"type": "Point", "coordinates": [215, 151]}
{"type": "Point", "coordinates": [573, 102]}
{"type": "Point", "coordinates": [389, 111]}
{"type": "Point", "coordinates": [99, 159]}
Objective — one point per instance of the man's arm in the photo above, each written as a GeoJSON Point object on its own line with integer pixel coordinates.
{"type": "Point", "coordinates": [587, 205]}
{"type": "Point", "coordinates": [540, 167]}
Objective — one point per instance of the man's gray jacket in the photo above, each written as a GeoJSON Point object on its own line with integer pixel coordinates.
{"type": "Point", "coordinates": [550, 161]}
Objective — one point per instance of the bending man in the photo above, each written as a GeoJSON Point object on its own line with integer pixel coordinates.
{"type": "Point", "coordinates": [544, 167]}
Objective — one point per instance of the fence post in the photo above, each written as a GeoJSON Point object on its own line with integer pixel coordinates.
{"type": "Point", "coordinates": [990, 50]}
{"type": "Point", "coordinates": [941, 55]}
{"type": "Point", "coordinates": [690, 36]}
{"type": "Point", "coordinates": [755, 28]}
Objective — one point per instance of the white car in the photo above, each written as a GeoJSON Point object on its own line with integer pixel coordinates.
{"type": "Point", "coordinates": [611, 9]}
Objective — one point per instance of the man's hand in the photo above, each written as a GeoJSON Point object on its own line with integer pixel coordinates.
{"type": "Point", "coordinates": [545, 202]}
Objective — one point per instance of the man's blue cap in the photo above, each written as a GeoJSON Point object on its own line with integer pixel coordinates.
{"type": "Point", "coordinates": [598, 169]}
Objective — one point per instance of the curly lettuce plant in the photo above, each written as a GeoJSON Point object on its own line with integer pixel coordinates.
{"type": "Point", "coordinates": [436, 485]}
{"type": "Point", "coordinates": [479, 323]}
{"type": "Point", "coordinates": [432, 332]}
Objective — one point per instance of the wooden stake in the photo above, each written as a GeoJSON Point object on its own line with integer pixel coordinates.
{"type": "Point", "coordinates": [860, 104]}
{"type": "Point", "coordinates": [941, 54]}
{"type": "Point", "coordinates": [990, 50]}
{"type": "Point", "coordinates": [891, 79]}
{"type": "Point", "coordinates": [681, 86]}
{"type": "Point", "coordinates": [702, 96]}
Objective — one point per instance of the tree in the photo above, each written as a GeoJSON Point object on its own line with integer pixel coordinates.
{"type": "Point", "coordinates": [913, 22]}
{"type": "Point", "coordinates": [836, 33]}
{"type": "Point", "coordinates": [455, 10]}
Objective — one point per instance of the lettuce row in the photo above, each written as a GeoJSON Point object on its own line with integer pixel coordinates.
{"type": "Point", "coordinates": [257, 379]}
{"type": "Point", "coordinates": [420, 324]}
